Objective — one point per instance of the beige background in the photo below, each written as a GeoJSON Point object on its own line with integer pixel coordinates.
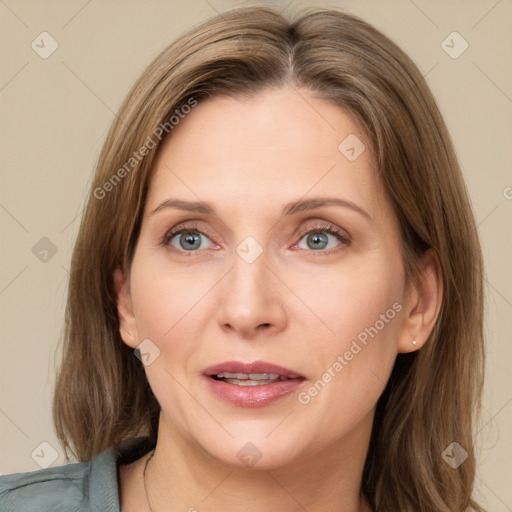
{"type": "Point", "coordinates": [54, 114]}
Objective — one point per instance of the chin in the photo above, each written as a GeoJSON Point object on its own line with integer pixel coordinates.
{"type": "Point", "coordinates": [259, 453]}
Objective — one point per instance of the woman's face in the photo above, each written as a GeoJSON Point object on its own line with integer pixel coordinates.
{"type": "Point", "coordinates": [268, 271]}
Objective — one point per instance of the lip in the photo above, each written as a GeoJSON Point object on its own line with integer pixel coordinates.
{"type": "Point", "coordinates": [252, 396]}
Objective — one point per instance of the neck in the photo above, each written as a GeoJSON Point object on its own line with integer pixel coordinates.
{"type": "Point", "coordinates": [182, 477]}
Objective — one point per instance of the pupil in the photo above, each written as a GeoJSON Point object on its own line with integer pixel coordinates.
{"type": "Point", "coordinates": [191, 239]}
{"type": "Point", "coordinates": [319, 240]}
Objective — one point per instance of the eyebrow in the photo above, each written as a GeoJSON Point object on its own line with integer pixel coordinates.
{"type": "Point", "coordinates": [289, 209]}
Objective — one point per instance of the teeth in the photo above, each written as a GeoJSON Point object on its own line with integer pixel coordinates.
{"type": "Point", "coordinates": [251, 379]}
{"type": "Point", "coordinates": [250, 382]}
{"type": "Point", "coordinates": [251, 376]}
{"type": "Point", "coordinates": [263, 376]}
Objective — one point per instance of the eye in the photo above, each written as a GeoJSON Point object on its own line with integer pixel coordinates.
{"type": "Point", "coordinates": [319, 238]}
{"type": "Point", "coordinates": [187, 239]}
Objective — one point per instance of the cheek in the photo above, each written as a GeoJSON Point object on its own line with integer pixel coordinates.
{"type": "Point", "coordinates": [360, 310]}
{"type": "Point", "coordinates": [173, 307]}
{"type": "Point", "coordinates": [163, 297]}
{"type": "Point", "coordinates": [351, 298]}
{"type": "Point", "coordinates": [155, 305]}
{"type": "Point", "coordinates": [166, 305]}
{"type": "Point", "coordinates": [167, 309]}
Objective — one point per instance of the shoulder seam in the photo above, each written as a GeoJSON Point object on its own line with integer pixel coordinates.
{"type": "Point", "coordinates": [37, 480]}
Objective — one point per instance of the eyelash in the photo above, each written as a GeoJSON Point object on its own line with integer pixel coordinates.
{"type": "Point", "coordinates": [342, 236]}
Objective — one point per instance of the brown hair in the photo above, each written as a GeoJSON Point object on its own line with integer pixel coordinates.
{"type": "Point", "coordinates": [433, 395]}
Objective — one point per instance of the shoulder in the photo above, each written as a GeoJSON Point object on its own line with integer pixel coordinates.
{"type": "Point", "coordinates": [45, 489]}
{"type": "Point", "coordinates": [82, 486]}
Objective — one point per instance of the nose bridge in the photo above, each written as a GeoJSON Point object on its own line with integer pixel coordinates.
{"type": "Point", "coordinates": [249, 297]}
{"type": "Point", "coordinates": [248, 283]}
{"type": "Point", "coordinates": [250, 266]}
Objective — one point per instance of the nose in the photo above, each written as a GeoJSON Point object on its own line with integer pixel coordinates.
{"type": "Point", "coordinates": [251, 299]}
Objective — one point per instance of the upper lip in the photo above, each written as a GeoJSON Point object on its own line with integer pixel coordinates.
{"type": "Point", "coordinates": [248, 368]}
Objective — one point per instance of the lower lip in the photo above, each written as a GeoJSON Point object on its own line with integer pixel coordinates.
{"type": "Point", "coordinates": [253, 396]}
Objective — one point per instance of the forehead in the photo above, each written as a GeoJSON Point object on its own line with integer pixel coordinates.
{"type": "Point", "coordinates": [277, 146]}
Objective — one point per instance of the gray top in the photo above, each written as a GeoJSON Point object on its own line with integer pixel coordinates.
{"type": "Point", "coordinates": [78, 487]}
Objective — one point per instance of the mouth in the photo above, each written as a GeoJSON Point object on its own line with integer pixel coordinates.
{"type": "Point", "coordinates": [257, 373]}
{"type": "Point", "coordinates": [251, 379]}
{"type": "Point", "coordinates": [252, 384]}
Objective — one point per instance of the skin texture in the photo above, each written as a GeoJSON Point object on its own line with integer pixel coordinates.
{"type": "Point", "coordinates": [294, 306]}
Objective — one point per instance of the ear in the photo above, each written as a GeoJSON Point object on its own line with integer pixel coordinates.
{"type": "Point", "coordinates": [127, 324]}
{"type": "Point", "coordinates": [422, 304]}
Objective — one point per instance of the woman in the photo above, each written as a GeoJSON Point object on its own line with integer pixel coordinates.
{"type": "Point", "coordinates": [279, 230]}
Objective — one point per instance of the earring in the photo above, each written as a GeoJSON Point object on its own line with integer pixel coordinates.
{"type": "Point", "coordinates": [414, 342]}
